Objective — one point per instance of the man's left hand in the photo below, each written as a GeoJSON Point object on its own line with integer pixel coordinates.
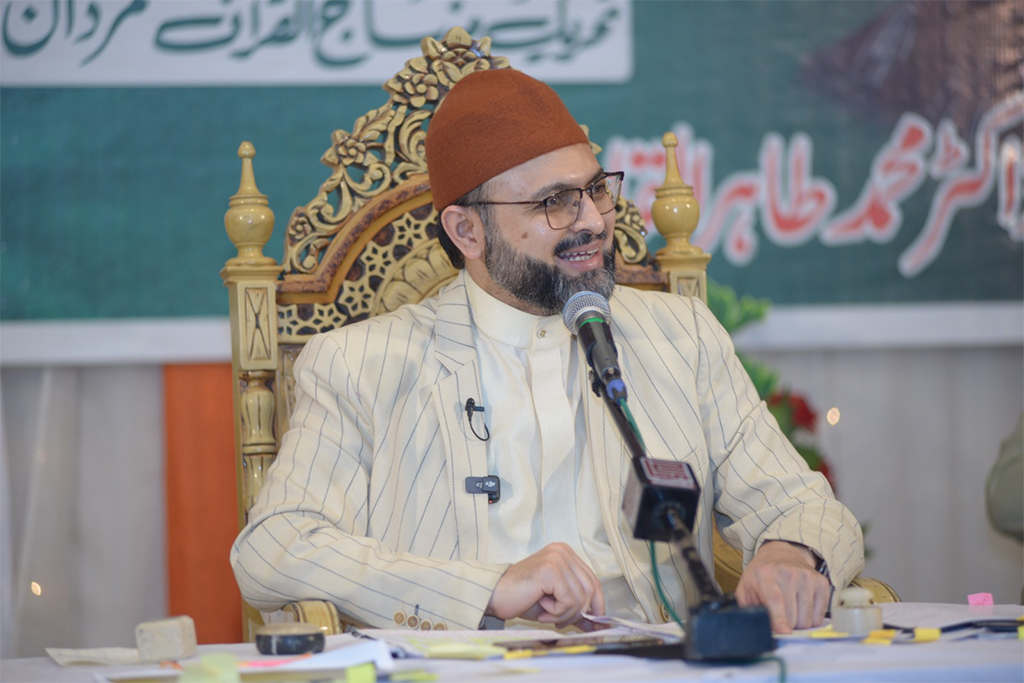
{"type": "Point", "coordinates": [782, 577]}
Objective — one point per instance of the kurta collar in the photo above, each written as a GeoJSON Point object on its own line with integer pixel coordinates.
{"type": "Point", "coordinates": [509, 325]}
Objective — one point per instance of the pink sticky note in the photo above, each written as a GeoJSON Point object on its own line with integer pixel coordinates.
{"type": "Point", "coordinates": [979, 599]}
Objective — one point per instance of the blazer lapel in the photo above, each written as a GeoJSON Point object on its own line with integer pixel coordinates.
{"type": "Point", "coordinates": [466, 454]}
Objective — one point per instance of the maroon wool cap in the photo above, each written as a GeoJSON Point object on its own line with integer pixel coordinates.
{"type": "Point", "coordinates": [489, 122]}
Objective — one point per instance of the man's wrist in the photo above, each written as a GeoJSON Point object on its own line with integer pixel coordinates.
{"type": "Point", "coordinates": [817, 561]}
{"type": "Point", "coordinates": [813, 559]}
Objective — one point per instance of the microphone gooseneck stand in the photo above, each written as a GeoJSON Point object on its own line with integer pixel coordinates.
{"type": "Point", "coordinates": [661, 502]}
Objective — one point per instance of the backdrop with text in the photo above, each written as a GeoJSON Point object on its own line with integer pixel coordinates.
{"type": "Point", "coordinates": [863, 152]}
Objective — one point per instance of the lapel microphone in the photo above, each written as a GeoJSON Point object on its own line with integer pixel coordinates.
{"type": "Point", "coordinates": [472, 407]}
{"type": "Point", "coordinates": [490, 484]}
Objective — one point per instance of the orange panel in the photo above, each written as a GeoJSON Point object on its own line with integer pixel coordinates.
{"type": "Point", "coordinates": [201, 515]}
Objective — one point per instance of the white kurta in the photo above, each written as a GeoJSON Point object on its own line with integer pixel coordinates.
{"type": "Point", "coordinates": [533, 384]}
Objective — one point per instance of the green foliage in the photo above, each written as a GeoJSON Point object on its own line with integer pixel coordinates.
{"type": "Point", "coordinates": [735, 312]}
{"type": "Point", "coordinates": [764, 378]}
{"type": "Point", "coordinates": [811, 454]}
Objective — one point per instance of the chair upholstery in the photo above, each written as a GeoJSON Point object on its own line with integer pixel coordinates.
{"type": "Point", "coordinates": [366, 244]}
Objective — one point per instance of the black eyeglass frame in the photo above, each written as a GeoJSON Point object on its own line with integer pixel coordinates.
{"type": "Point", "coordinates": [589, 189]}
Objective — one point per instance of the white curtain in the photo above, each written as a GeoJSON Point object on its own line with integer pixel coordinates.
{"type": "Point", "coordinates": [84, 524]}
{"type": "Point", "coordinates": [918, 431]}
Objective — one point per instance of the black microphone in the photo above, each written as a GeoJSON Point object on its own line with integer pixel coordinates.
{"type": "Point", "coordinates": [586, 314]}
{"type": "Point", "coordinates": [660, 504]}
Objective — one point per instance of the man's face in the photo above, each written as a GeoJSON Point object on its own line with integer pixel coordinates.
{"type": "Point", "coordinates": [530, 265]}
{"type": "Point", "coordinates": [542, 286]}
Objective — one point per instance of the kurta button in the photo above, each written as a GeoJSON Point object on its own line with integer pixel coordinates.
{"type": "Point", "coordinates": [541, 333]}
{"type": "Point", "coordinates": [426, 625]}
{"type": "Point", "coordinates": [664, 613]}
{"type": "Point", "coordinates": [399, 618]}
{"type": "Point", "coordinates": [413, 621]}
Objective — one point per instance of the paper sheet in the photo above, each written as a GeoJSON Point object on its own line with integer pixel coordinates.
{"type": "Point", "coordinates": [341, 652]}
{"type": "Point", "coordinates": [482, 644]}
{"type": "Point", "coordinates": [669, 632]}
{"type": "Point", "coordinates": [95, 655]}
{"type": "Point", "coordinates": [450, 644]}
{"type": "Point", "coordinates": [918, 620]}
{"type": "Point", "coordinates": [937, 615]}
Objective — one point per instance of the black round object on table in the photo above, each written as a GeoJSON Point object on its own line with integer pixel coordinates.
{"type": "Point", "coordinates": [289, 639]}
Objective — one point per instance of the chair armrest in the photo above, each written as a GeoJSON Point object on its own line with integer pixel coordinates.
{"type": "Point", "coordinates": [728, 564]}
{"type": "Point", "coordinates": [880, 591]}
{"type": "Point", "coordinates": [320, 613]}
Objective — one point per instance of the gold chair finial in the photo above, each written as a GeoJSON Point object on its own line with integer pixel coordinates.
{"type": "Point", "coordinates": [672, 177]}
{"type": "Point", "coordinates": [675, 211]}
{"type": "Point", "coordinates": [249, 221]}
{"type": "Point", "coordinates": [676, 214]}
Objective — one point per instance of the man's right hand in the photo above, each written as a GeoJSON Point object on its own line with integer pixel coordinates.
{"type": "Point", "coordinates": [552, 586]}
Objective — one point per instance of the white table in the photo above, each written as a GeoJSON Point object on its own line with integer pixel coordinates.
{"type": "Point", "coordinates": [972, 660]}
{"type": "Point", "coordinates": [820, 661]}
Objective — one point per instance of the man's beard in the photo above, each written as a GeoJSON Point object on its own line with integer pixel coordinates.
{"type": "Point", "coordinates": [540, 285]}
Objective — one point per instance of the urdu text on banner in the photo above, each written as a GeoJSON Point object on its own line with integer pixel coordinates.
{"type": "Point", "coordinates": [298, 42]}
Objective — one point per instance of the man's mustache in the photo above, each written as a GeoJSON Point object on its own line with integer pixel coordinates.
{"type": "Point", "coordinates": [580, 240]}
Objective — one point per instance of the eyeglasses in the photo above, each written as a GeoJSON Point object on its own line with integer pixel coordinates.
{"type": "Point", "coordinates": [562, 209]}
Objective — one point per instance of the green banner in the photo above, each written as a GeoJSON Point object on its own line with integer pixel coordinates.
{"type": "Point", "coordinates": [843, 152]}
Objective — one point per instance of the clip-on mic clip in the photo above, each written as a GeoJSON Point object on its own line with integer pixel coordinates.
{"type": "Point", "coordinates": [491, 484]}
{"type": "Point", "coordinates": [472, 407]}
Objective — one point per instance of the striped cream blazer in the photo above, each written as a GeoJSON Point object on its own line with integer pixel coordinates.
{"type": "Point", "coordinates": [366, 504]}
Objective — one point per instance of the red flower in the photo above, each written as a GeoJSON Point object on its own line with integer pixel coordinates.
{"type": "Point", "coordinates": [793, 414]}
{"type": "Point", "coordinates": [803, 416]}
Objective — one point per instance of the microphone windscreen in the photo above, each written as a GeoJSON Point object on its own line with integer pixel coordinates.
{"type": "Point", "coordinates": [581, 302]}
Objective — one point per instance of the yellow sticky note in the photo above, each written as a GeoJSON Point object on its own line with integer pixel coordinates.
{"type": "Point", "coordinates": [456, 650]}
{"type": "Point", "coordinates": [889, 633]}
{"type": "Point", "coordinates": [1020, 632]}
{"type": "Point", "coordinates": [362, 673]}
{"type": "Point", "coordinates": [872, 640]}
{"type": "Point", "coordinates": [216, 666]}
{"type": "Point", "coordinates": [825, 633]}
{"type": "Point", "coordinates": [414, 676]}
{"type": "Point", "coordinates": [926, 635]}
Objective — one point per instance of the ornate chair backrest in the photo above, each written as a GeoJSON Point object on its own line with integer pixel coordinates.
{"type": "Point", "coordinates": [366, 244]}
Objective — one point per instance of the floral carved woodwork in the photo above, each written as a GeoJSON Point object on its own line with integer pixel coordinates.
{"type": "Point", "coordinates": [385, 147]}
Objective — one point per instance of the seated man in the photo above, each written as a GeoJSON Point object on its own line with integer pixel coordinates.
{"type": "Point", "coordinates": [367, 503]}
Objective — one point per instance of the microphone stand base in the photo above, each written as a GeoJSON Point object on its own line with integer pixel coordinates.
{"type": "Point", "coordinates": [727, 632]}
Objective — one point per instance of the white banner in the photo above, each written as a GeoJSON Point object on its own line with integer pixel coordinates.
{"type": "Point", "coordinates": [299, 42]}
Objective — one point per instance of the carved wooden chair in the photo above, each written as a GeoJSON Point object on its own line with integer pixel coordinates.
{"type": "Point", "coordinates": [366, 244]}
